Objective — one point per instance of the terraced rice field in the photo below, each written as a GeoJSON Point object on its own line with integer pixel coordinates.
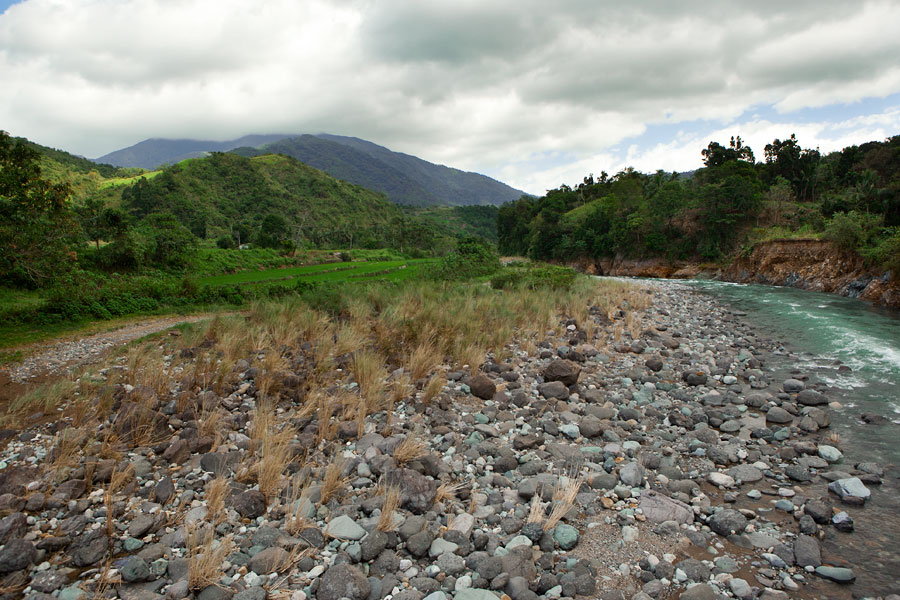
{"type": "Point", "coordinates": [394, 270]}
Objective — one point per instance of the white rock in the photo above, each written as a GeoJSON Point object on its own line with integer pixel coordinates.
{"type": "Point", "coordinates": [315, 572]}
{"type": "Point", "coordinates": [720, 479]}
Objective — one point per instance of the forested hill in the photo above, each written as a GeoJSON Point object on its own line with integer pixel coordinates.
{"type": "Point", "coordinates": [405, 179]}
{"type": "Point", "coordinates": [851, 197]}
{"type": "Point", "coordinates": [225, 194]}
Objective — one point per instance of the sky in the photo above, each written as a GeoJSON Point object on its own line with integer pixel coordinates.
{"type": "Point", "coordinates": [533, 93]}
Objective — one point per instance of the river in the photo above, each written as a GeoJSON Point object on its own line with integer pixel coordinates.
{"type": "Point", "coordinates": [819, 334]}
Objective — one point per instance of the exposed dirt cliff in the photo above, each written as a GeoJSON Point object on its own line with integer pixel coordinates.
{"type": "Point", "coordinates": [807, 264]}
{"type": "Point", "coordinates": [645, 267]}
{"type": "Point", "coordinates": [814, 265]}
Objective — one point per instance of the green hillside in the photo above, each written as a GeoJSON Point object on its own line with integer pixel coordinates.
{"type": "Point", "coordinates": [230, 195]}
{"type": "Point", "coordinates": [84, 176]}
{"type": "Point", "coordinates": [479, 221]}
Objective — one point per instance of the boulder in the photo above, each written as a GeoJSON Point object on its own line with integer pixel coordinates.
{"type": "Point", "coordinates": [850, 489]}
{"type": "Point", "coordinates": [343, 581]}
{"type": "Point", "coordinates": [727, 521]}
{"type": "Point", "coordinates": [250, 504]}
{"type": "Point", "coordinates": [564, 371]}
{"type": "Point", "coordinates": [417, 492]}
{"type": "Point", "coordinates": [659, 508]}
{"type": "Point", "coordinates": [482, 387]}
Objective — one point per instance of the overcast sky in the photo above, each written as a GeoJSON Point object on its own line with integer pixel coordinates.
{"type": "Point", "coordinates": [531, 92]}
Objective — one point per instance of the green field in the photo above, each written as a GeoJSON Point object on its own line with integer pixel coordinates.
{"type": "Point", "coordinates": [120, 181]}
{"type": "Point", "coordinates": [393, 270]}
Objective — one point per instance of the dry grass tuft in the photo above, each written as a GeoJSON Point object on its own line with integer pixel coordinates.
{"type": "Point", "coordinates": [471, 357]}
{"type": "Point", "coordinates": [349, 338]}
{"type": "Point", "coordinates": [334, 483]}
{"type": "Point", "coordinates": [13, 584]}
{"type": "Point", "coordinates": [275, 455]}
{"type": "Point", "coordinates": [536, 510]}
{"type": "Point", "coordinates": [45, 398]}
{"type": "Point", "coordinates": [433, 388]}
{"type": "Point", "coordinates": [633, 324]}
{"type": "Point", "coordinates": [391, 503]}
{"type": "Point", "coordinates": [447, 491]}
{"type": "Point", "coordinates": [117, 481]}
{"type": "Point", "coordinates": [424, 359]}
{"type": "Point", "coordinates": [205, 556]}
{"type": "Point", "coordinates": [216, 492]}
{"type": "Point", "coordinates": [209, 420]}
{"type": "Point", "coordinates": [369, 372]}
{"type": "Point", "coordinates": [564, 498]}
{"type": "Point", "coordinates": [411, 448]}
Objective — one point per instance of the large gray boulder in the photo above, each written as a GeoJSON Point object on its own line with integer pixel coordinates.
{"type": "Point", "coordinates": [850, 489]}
{"type": "Point", "coordinates": [727, 522]}
{"type": "Point", "coordinates": [343, 581]}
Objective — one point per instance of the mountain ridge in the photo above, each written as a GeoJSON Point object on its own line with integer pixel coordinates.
{"type": "Point", "coordinates": [406, 179]}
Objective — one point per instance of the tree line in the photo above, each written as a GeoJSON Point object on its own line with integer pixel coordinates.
{"type": "Point", "coordinates": [851, 196]}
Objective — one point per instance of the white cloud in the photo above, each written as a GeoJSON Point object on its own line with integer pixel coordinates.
{"type": "Point", "coordinates": [532, 93]}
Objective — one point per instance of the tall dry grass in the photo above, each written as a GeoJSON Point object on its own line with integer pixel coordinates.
{"type": "Point", "coordinates": [205, 556]}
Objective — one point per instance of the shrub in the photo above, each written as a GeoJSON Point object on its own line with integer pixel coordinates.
{"type": "Point", "coordinates": [852, 231]}
{"type": "Point", "coordinates": [130, 250]}
{"type": "Point", "coordinates": [535, 277]}
{"type": "Point", "coordinates": [473, 257]}
{"type": "Point", "coordinates": [886, 252]}
{"type": "Point", "coordinates": [226, 242]}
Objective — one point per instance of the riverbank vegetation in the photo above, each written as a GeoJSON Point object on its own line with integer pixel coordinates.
{"type": "Point", "coordinates": [851, 197]}
{"type": "Point", "coordinates": [80, 241]}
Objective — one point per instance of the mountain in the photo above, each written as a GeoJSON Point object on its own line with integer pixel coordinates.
{"type": "Point", "coordinates": [404, 178]}
{"type": "Point", "coordinates": [156, 152]}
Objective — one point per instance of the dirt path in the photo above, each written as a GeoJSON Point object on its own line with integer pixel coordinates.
{"type": "Point", "coordinates": [48, 360]}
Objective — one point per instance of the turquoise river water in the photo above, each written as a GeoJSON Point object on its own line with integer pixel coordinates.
{"type": "Point", "coordinates": [817, 334]}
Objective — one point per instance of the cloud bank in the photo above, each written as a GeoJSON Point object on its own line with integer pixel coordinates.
{"type": "Point", "coordinates": [531, 93]}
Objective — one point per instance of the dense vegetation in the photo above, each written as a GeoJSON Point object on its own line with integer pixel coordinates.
{"type": "Point", "coordinates": [851, 197]}
{"type": "Point", "coordinates": [479, 221]}
{"type": "Point", "coordinates": [79, 243]}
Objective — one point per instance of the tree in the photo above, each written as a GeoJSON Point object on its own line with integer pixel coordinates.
{"type": "Point", "coordinates": [273, 231]}
{"type": "Point", "coordinates": [37, 230]}
{"type": "Point", "coordinates": [172, 241]}
{"type": "Point", "coordinates": [716, 155]}
{"type": "Point", "coordinates": [797, 165]}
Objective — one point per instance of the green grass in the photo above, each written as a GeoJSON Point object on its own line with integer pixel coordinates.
{"type": "Point", "coordinates": [120, 181]}
{"type": "Point", "coordinates": [16, 299]}
{"type": "Point", "coordinates": [329, 272]}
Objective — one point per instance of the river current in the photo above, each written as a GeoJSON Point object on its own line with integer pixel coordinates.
{"type": "Point", "coordinates": [854, 349]}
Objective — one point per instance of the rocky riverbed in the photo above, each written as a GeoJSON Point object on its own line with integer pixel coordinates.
{"type": "Point", "coordinates": [594, 465]}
